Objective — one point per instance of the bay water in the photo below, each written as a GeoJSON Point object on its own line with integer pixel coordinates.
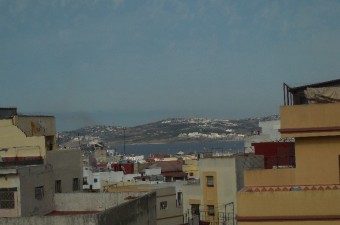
{"type": "Point", "coordinates": [186, 147]}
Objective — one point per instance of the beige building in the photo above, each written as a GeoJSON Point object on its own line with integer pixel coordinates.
{"type": "Point", "coordinates": [31, 167]}
{"type": "Point", "coordinates": [310, 192]}
{"type": "Point", "coordinates": [168, 211]}
{"type": "Point", "coordinates": [213, 197]}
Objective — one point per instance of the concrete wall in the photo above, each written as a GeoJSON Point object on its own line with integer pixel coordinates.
{"type": "Point", "coordinates": [133, 212]}
{"type": "Point", "coordinates": [247, 162]}
{"type": "Point", "coordinates": [66, 165]}
{"type": "Point", "coordinates": [52, 220]}
{"type": "Point", "coordinates": [91, 201]}
{"type": "Point", "coordinates": [30, 178]}
{"type": "Point", "coordinates": [11, 180]}
{"type": "Point", "coordinates": [36, 125]}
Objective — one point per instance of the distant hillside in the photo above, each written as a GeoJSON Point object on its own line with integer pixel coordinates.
{"type": "Point", "coordinates": [165, 131]}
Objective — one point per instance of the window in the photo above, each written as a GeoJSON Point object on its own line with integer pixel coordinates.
{"type": "Point", "coordinates": [95, 180]}
{"type": "Point", "coordinates": [75, 184]}
{"type": "Point", "coordinates": [7, 198]}
{"type": "Point", "coordinates": [195, 209]}
{"type": "Point", "coordinates": [85, 181]}
{"type": "Point", "coordinates": [39, 192]}
{"type": "Point", "coordinates": [210, 181]}
{"type": "Point", "coordinates": [57, 186]}
{"type": "Point", "coordinates": [191, 174]}
{"type": "Point", "coordinates": [179, 198]}
{"type": "Point", "coordinates": [211, 210]}
{"type": "Point", "coordinates": [164, 205]}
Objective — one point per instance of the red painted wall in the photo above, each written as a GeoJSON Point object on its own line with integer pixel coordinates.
{"type": "Point", "coordinates": [276, 153]}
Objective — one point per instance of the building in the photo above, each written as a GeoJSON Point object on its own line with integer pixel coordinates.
{"type": "Point", "coordinates": [95, 209]}
{"type": "Point", "coordinates": [168, 211]}
{"type": "Point", "coordinates": [171, 170]}
{"type": "Point", "coordinates": [212, 198]}
{"type": "Point", "coordinates": [276, 154]}
{"type": "Point", "coordinates": [190, 168]}
{"type": "Point", "coordinates": [310, 192]}
{"type": "Point", "coordinates": [31, 167]}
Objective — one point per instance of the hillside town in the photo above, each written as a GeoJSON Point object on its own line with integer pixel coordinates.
{"type": "Point", "coordinates": [278, 178]}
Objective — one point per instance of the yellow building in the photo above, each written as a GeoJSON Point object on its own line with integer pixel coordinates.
{"type": "Point", "coordinates": [31, 170]}
{"type": "Point", "coordinates": [310, 192]}
{"type": "Point", "coordinates": [212, 198]}
{"type": "Point", "coordinates": [190, 168]}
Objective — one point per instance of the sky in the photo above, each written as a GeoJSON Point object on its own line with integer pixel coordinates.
{"type": "Point", "coordinates": [130, 62]}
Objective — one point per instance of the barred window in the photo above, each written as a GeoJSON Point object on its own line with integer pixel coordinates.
{"type": "Point", "coordinates": [39, 192]}
{"type": "Point", "coordinates": [7, 200]}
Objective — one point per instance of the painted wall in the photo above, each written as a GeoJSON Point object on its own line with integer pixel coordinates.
{"type": "Point", "coordinates": [317, 162]}
{"type": "Point", "coordinates": [16, 142]}
{"type": "Point", "coordinates": [191, 166]}
{"type": "Point", "coordinates": [283, 205]}
{"type": "Point", "coordinates": [310, 116]}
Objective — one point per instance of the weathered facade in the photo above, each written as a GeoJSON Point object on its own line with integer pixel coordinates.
{"type": "Point", "coordinates": [96, 209]}
{"type": "Point", "coordinates": [67, 169]}
{"type": "Point", "coordinates": [168, 212]}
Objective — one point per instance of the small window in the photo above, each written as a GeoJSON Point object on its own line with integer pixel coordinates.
{"type": "Point", "coordinates": [85, 181]}
{"type": "Point", "coordinates": [7, 199]}
{"type": "Point", "coordinates": [191, 174]}
{"type": "Point", "coordinates": [211, 210]}
{"type": "Point", "coordinates": [195, 209]}
{"type": "Point", "coordinates": [95, 180]}
{"type": "Point", "coordinates": [39, 192]}
{"type": "Point", "coordinates": [75, 184]}
{"type": "Point", "coordinates": [164, 205]}
{"type": "Point", "coordinates": [57, 186]}
{"type": "Point", "coordinates": [210, 181]}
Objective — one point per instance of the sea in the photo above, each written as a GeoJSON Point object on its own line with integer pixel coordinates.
{"type": "Point", "coordinates": [186, 147]}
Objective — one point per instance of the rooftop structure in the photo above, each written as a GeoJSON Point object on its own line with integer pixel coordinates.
{"type": "Point", "coordinates": [309, 192]}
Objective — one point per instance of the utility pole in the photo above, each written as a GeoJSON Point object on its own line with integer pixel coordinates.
{"type": "Point", "coordinates": [124, 138]}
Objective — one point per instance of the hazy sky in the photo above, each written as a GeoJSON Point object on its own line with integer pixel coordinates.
{"type": "Point", "coordinates": [129, 62]}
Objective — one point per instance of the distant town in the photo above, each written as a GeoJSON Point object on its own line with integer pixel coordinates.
{"type": "Point", "coordinates": [285, 172]}
{"type": "Point", "coordinates": [165, 131]}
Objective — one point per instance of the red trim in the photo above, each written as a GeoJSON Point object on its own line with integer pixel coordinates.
{"type": "Point", "coordinates": [16, 159]}
{"type": "Point", "coordinates": [309, 130]}
{"type": "Point", "coordinates": [287, 218]}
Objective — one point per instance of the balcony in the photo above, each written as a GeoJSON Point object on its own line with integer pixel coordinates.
{"type": "Point", "coordinates": [297, 204]}
{"type": "Point", "coordinates": [270, 177]}
{"type": "Point", "coordinates": [310, 120]}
